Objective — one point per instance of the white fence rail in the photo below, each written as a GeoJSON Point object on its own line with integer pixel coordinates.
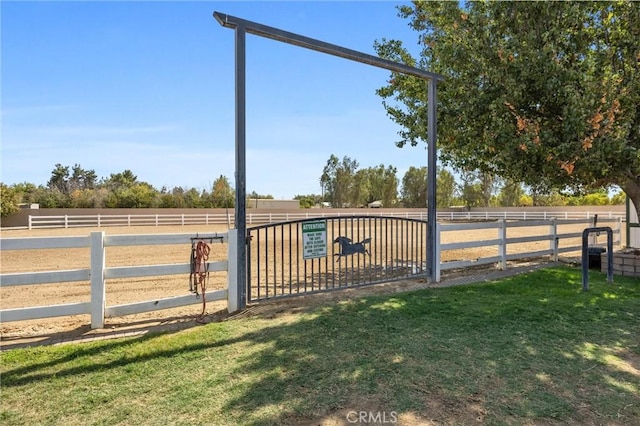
{"type": "Point", "coordinates": [75, 221]}
{"type": "Point", "coordinates": [553, 237]}
{"type": "Point", "coordinates": [97, 274]}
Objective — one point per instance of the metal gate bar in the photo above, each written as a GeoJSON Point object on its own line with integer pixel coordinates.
{"type": "Point", "coordinates": [361, 250]}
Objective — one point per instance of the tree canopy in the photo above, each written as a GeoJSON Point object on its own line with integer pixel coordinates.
{"type": "Point", "coordinates": [544, 93]}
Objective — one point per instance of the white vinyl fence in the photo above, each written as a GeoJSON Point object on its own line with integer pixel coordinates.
{"type": "Point", "coordinates": [97, 274]}
{"type": "Point", "coordinates": [76, 221]}
{"type": "Point", "coordinates": [502, 240]}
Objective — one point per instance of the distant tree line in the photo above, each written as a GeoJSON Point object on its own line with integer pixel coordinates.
{"type": "Point", "coordinates": [76, 187]}
{"type": "Point", "coordinates": [344, 185]}
{"type": "Point", "coordinates": [342, 182]}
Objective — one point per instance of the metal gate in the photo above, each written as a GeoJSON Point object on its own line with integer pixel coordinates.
{"type": "Point", "coordinates": [323, 254]}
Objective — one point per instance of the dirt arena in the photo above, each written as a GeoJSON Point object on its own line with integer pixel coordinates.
{"type": "Point", "coordinates": [150, 288]}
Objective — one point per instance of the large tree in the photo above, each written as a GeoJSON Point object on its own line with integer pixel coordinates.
{"type": "Point", "coordinates": [414, 187]}
{"type": "Point", "coordinates": [510, 193]}
{"type": "Point", "coordinates": [446, 188]}
{"type": "Point", "coordinates": [383, 185]}
{"type": "Point", "coordinates": [123, 180]}
{"type": "Point", "coordinates": [544, 93]}
{"type": "Point", "coordinates": [9, 200]}
{"type": "Point", "coordinates": [222, 195]}
{"type": "Point", "coordinates": [59, 180]}
{"type": "Point", "coordinates": [337, 179]}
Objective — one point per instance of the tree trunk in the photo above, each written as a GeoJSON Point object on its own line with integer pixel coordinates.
{"type": "Point", "coordinates": [632, 189]}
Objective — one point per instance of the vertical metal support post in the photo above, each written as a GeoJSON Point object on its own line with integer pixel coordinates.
{"type": "Point", "coordinates": [585, 254]}
{"type": "Point", "coordinates": [431, 180]}
{"type": "Point", "coordinates": [232, 276]}
{"type": "Point", "coordinates": [438, 254]}
{"type": "Point", "coordinates": [241, 168]}
{"type": "Point", "coordinates": [585, 260]}
{"type": "Point", "coordinates": [609, 255]}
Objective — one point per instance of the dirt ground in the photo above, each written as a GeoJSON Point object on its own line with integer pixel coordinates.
{"type": "Point", "coordinates": [150, 288]}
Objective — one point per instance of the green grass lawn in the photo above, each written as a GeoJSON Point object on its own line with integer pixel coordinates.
{"type": "Point", "coordinates": [530, 349]}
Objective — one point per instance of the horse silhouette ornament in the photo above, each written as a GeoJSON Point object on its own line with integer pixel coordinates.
{"type": "Point", "coordinates": [348, 248]}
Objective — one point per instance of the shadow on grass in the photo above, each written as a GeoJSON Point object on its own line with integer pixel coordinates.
{"type": "Point", "coordinates": [85, 333]}
{"type": "Point", "coordinates": [529, 348]}
{"type": "Point", "coordinates": [532, 347]}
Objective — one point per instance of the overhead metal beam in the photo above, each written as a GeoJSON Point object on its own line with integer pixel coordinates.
{"type": "Point", "coordinates": [241, 27]}
{"type": "Point", "coordinates": [272, 33]}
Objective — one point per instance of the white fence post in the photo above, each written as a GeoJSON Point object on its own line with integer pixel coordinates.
{"type": "Point", "coordinates": [98, 288]}
{"type": "Point", "coordinates": [553, 243]}
{"type": "Point", "coordinates": [232, 272]}
{"type": "Point", "coordinates": [30, 222]}
{"type": "Point", "coordinates": [66, 221]}
{"type": "Point", "coordinates": [502, 234]}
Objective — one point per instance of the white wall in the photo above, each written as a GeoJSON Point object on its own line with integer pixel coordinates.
{"type": "Point", "coordinates": [634, 232]}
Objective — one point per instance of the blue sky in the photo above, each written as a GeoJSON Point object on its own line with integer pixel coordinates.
{"type": "Point", "coordinates": [148, 86]}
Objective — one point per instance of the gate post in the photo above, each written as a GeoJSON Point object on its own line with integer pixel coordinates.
{"type": "Point", "coordinates": [232, 272]}
{"type": "Point", "coordinates": [437, 253]}
{"type": "Point", "coordinates": [432, 220]}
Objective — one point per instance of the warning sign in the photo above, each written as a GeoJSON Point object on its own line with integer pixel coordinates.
{"type": "Point", "coordinates": [314, 239]}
